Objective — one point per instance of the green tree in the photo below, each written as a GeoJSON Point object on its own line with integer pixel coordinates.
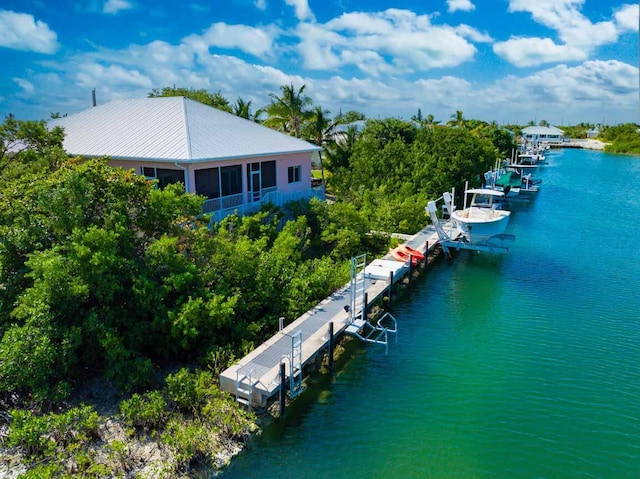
{"type": "Point", "coordinates": [430, 121]}
{"type": "Point", "coordinates": [216, 100]}
{"type": "Point", "coordinates": [289, 111]}
{"type": "Point", "coordinates": [242, 109]}
{"type": "Point", "coordinates": [457, 119]}
{"type": "Point", "coordinates": [27, 142]}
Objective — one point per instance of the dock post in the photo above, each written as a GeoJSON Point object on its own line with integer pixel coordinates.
{"type": "Point", "coordinates": [283, 389]}
{"type": "Point", "coordinates": [365, 306]}
{"type": "Point", "coordinates": [331, 347]}
{"type": "Point", "coordinates": [410, 268]}
{"type": "Point", "coordinates": [426, 256]}
{"type": "Point", "coordinates": [390, 286]}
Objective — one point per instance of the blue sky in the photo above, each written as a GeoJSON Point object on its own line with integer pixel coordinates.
{"type": "Point", "coordinates": [511, 61]}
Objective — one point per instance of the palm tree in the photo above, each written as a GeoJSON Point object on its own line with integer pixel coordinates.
{"type": "Point", "coordinates": [430, 121]}
{"type": "Point", "coordinates": [457, 119]}
{"type": "Point", "coordinates": [241, 108]}
{"type": "Point", "coordinates": [288, 112]}
{"type": "Point", "coordinates": [323, 131]}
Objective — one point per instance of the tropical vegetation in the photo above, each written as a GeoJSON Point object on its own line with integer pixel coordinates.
{"type": "Point", "coordinates": [107, 280]}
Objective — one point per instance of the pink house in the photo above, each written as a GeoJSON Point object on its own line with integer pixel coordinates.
{"type": "Point", "coordinates": [235, 163]}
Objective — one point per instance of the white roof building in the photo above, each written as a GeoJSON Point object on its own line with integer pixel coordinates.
{"type": "Point", "coordinates": [235, 163]}
{"type": "Point", "coordinates": [171, 129]}
{"type": "Point", "coordinates": [542, 134]}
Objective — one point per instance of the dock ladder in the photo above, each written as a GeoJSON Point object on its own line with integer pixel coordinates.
{"type": "Point", "coordinates": [295, 376]}
{"type": "Point", "coordinates": [358, 286]}
{"type": "Point", "coordinates": [294, 360]}
{"type": "Point", "coordinates": [244, 387]}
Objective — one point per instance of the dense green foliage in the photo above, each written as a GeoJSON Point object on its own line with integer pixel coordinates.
{"type": "Point", "coordinates": [104, 275]}
{"type": "Point", "coordinates": [189, 418]}
{"type": "Point", "coordinates": [577, 131]}
{"type": "Point", "coordinates": [216, 100]}
{"type": "Point", "coordinates": [624, 138]}
{"type": "Point", "coordinates": [394, 167]}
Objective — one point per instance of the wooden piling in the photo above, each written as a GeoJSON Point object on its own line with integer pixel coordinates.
{"type": "Point", "coordinates": [331, 347]}
{"type": "Point", "coordinates": [283, 389]}
{"type": "Point", "coordinates": [410, 268]}
{"type": "Point", "coordinates": [425, 262]}
{"type": "Point", "coordinates": [365, 306]}
{"type": "Point", "coordinates": [390, 287]}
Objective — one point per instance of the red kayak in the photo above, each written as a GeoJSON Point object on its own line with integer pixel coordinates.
{"type": "Point", "coordinates": [401, 255]}
{"type": "Point", "coordinates": [411, 251]}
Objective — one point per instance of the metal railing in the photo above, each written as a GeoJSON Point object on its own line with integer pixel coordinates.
{"type": "Point", "coordinates": [222, 203]}
{"type": "Point", "coordinates": [226, 205]}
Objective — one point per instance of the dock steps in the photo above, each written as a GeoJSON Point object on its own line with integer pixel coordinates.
{"type": "Point", "coordinates": [375, 333]}
{"type": "Point", "coordinates": [245, 384]}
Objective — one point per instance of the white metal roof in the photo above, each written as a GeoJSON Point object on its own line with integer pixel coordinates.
{"type": "Point", "coordinates": [171, 129]}
{"type": "Point", "coordinates": [542, 130]}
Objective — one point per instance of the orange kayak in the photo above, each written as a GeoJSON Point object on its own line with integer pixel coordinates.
{"type": "Point", "coordinates": [411, 251]}
{"type": "Point", "coordinates": [401, 255]}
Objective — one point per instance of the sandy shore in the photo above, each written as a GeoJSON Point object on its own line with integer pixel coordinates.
{"type": "Point", "coordinates": [588, 144]}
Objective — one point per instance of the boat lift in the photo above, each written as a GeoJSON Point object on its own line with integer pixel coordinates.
{"type": "Point", "coordinates": [491, 245]}
{"type": "Point", "coordinates": [358, 324]}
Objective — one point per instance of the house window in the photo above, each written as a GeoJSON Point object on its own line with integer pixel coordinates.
{"type": "Point", "coordinates": [231, 180]}
{"type": "Point", "coordinates": [294, 174]}
{"type": "Point", "coordinates": [268, 172]}
{"type": "Point", "coordinates": [165, 176]}
{"type": "Point", "coordinates": [208, 182]}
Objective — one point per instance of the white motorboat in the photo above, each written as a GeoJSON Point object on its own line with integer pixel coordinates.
{"type": "Point", "coordinates": [484, 218]}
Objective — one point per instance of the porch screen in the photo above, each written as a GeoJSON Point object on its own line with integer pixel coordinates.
{"type": "Point", "coordinates": [231, 180]}
{"type": "Point", "coordinates": [208, 182]}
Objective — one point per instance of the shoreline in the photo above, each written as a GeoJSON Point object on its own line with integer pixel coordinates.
{"type": "Point", "coordinates": [585, 144]}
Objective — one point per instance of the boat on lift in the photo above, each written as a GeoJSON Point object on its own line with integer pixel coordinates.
{"type": "Point", "coordinates": [484, 218]}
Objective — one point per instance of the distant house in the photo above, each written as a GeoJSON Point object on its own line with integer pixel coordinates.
{"type": "Point", "coordinates": [593, 133]}
{"type": "Point", "coordinates": [543, 134]}
{"type": "Point", "coordinates": [235, 163]}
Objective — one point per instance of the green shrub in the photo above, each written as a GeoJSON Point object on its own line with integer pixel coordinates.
{"type": "Point", "coordinates": [190, 441]}
{"type": "Point", "coordinates": [27, 356]}
{"type": "Point", "coordinates": [30, 434]}
{"type": "Point", "coordinates": [146, 412]}
{"type": "Point", "coordinates": [39, 436]}
{"type": "Point", "coordinates": [181, 389]}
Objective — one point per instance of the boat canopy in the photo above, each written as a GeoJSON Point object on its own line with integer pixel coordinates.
{"type": "Point", "coordinates": [510, 178]}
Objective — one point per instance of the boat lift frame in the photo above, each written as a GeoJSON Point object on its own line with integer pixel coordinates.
{"type": "Point", "coordinates": [460, 242]}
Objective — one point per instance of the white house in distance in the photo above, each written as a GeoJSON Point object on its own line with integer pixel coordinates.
{"type": "Point", "coordinates": [235, 163]}
{"type": "Point", "coordinates": [543, 134]}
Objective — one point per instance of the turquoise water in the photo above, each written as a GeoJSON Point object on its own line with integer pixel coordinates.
{"type": "Point", "coordinates": [525, 365]}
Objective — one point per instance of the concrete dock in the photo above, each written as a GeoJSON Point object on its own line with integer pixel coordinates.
{"type": "Point", "coordinates": [255, 379]}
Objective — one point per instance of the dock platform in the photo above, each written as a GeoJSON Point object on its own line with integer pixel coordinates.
{"type": "Point", "coordinates": [255, 379]}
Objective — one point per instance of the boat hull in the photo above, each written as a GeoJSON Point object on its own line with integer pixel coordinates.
{"type": "Point", "coordinates": [480, 224]}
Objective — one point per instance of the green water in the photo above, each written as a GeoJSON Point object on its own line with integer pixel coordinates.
{"type": "Point", "coordinates": [518, 366]}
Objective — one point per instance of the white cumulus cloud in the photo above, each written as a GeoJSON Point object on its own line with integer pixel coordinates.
{"type": "Point", "coordinates": [463, 5]}
{"type": "Point", "coordinates": [301, 8]}
{"type": "Point", "coordinates": [114, 6]}
{"type": "Point", "coordinates": [379, 42]}
{"type": "Point", "coordinates": [20, 31]}
{"type": "Point", "coordinates": [26, 85]}
{"type": "Point", "coordinates": [526, 52]}
{"type": "Point", "coordinates": [627, 17]}
{"type": "Point", "coordinates": [255, 41]}
{"type": "Point", "coordinates": [577, 36]}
